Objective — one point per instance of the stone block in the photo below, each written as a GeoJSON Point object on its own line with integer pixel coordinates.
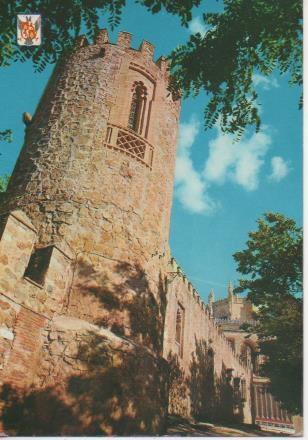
{"type": "Point", "coordinates": [124, 39]}
{"type": "Point", "coordinates": [16, 244]}
{"type": "Point", "coordinates": [147, 49]}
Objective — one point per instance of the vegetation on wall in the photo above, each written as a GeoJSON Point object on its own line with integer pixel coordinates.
{"type": "Point", "coordinates": [272, 264]}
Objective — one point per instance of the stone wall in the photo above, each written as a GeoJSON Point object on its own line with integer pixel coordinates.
{"type": "Point", "coordinates": [204, 361]}
{"type": "Point", "coordinates": [16, 244]}
{"type": "Point", "coordinates": [46, 353]}
{"type": "Point", "coordinates": [88, 382]}
{"type": "Point", "coordinates": [233, 307]}
{"type": "Point", "coordinates": [62, 375]}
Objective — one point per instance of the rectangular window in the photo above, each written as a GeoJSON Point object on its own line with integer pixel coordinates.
{"type": "Point", "coordinates": [38, 265]}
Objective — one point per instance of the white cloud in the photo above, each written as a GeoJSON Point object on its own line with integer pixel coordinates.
{"type": "Point", "coordinates": [228, 161]}
{"type": "Point", "coordinates": [266, 83]}
{"type": "Point", "coordinates": [190, 186]}
{"type": "Point", "coordinates": [239, 162]}
{"type": "Point", "coordinates": [188, 133]}
{"type": "Point", "coordinates": [196, 25]}
{"type": "Point", "coordinates": [280, 168]}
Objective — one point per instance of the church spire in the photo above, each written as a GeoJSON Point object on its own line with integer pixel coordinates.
{"type": "Point", "coordinates": [211, 300]}
{"type": "Point", "coordinates": [211, 297]}
{"type": "Point", "coordinates": [230, 290]}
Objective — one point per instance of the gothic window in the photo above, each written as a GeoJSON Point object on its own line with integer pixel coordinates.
{"type": "Point", "coordinates": [179, 329]}
{"type": "Point", "coordinates": [138, 107]}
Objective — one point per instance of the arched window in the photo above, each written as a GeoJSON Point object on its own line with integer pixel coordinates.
{"type": "Point", "coordinates": [138, 107]}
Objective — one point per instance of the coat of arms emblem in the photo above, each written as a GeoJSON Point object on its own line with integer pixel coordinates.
{"type": "Point", "coordinates": [29, 30]}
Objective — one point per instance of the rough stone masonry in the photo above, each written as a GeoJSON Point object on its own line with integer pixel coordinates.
{"type": "Point", "coordinates": [100, 331]}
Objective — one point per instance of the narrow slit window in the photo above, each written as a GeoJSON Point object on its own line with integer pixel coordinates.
{"type": "Point", "coordinates": [179, 330]}
{"type": "Point", "coordinates": [243, 389]}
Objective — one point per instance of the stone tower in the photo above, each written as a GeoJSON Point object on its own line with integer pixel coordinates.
{"type": "Point", "coordinates": [230, 291]}
{"type": "Point", "coordinates": [211, 300]}
{"type": "Point", "coordinates": [96, 171]}
{"type": "Point", "coordinates": [92, 188]}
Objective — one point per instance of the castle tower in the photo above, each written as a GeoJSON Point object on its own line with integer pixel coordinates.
{"type": "Point", "coordinates": [85, 226]}
{"type": "Point", "coordinates": [95, 175]}
{"type": "Point", "coordinates": [97, 166]}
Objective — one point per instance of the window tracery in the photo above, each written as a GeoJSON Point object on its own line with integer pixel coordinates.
{"type": "Point", "coordinates": [137, 114]}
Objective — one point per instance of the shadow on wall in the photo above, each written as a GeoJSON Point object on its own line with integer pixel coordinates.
{"type": "Point", "coordinates": [118, 296]}
{"type": "Point", "coordinates": [122, 392]}
{"type": "Point", "coordinates": [92, 383]}
{"type": "Point", "coordinates": [210, 398]}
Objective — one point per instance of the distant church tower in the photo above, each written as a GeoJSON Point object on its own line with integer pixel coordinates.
{"type": "Point", "coordinates": [230, 291]}
{"type": "Point", "coordinates": [95, 180]}
{"type": "Point", "coordinates": [211, 300]}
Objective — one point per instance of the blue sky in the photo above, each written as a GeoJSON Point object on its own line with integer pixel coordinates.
{"type": "Point", "coordinates": [221, 187]}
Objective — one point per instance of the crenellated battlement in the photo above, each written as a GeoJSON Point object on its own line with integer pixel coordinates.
{"type": "Point", "coordinates": [191, 289]}
{"type": "Point", "coordinates": [146, 49]}
{"type": "Point", "coordinates": [216, 332]}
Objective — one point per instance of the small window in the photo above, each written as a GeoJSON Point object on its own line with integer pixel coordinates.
{"type": "Point", "coordinates": [179, 329]}
{"type": "Point", "coordinates": [38, 265]}
{"type": "Point", "coordinates": [138, 107]}
{"type": "Point", "coordinates": [243, 390]}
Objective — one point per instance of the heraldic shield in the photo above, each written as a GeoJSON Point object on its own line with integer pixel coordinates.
{"type": "Point", "coordinates": [29, 30]}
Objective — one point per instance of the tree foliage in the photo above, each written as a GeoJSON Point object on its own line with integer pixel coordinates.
{"type": "Point", "coordinates": [5, 136]}
{"type": "Point", "coordinates": [284, 363]}
{"type": "Point", "coordinates": [62, 22]}
{"type": "Point", "coordinates": [273, 267]}
{"type": "Point", "coordinates": [248, 36]}
{"type": "Point", "coordinates": [4, 180]}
